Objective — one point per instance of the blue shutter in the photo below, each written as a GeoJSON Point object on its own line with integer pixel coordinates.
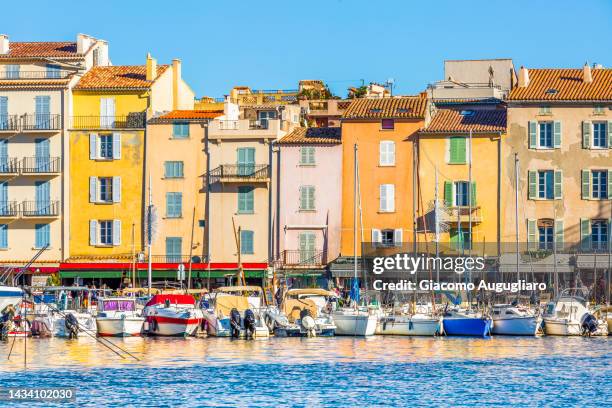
{"type": "Point", "coordinates": [246, 242]}
{"type": "Point", "coordinates": [4, 112]}
{"type": "Point", "coordinates": [42, 238]}
{"type": "Point", "coordinates": [53, 71]}
{"type": "Point", "coordinates": [42, 159]}
{"type": "Point", "coordinates": [42, 112]}
{"type": "Point", "coordinates": [4, 236]}
{"type": "Point", "coordinates": [4, 163]}
{"type": "Point", "coordinates": [42, 197]}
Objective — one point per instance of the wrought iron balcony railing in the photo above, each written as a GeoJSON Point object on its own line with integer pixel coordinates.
{"type": "Point", "coordinates": [40, 165]}
{"type": "Point", "coordinates": [46, 74]}
{"type": "Point", "coordinates": [9, 165]}
{"type": "Point", "coordinates": [240, 172]}
{"type": "Point", "coordinates": [135, 120]}
{"type": "Point", "coordinates": [9, 208]}
{"type": "Point", "coordinates": [40, 208]}
{"type": "Point", "coordinates": [9, 122]}
{"type": "Point", "coordinates": [41, 121]}
{"type": "Point", "coordinates": [171, 258]}
{"type": "Point", "coordinates": [304, 258]}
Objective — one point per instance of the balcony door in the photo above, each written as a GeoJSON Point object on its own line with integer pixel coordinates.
{"type": "Point", "coordinates": [246, 161]}
{"type": "Point", "coordinates": [4, 209]}
{"type": "Point", "coordinates": [307, 247]}
{"type": "Point", "coordinates": [4, 113]}
{"type": "Point", "coordinates": [4, 162]}
{"type": "Point", "coordinates": [173, 249]}
{"type": "Point", "coordinates": [42, 158]}
{"type": "Point", "coordinates": [43, 115]}
{"type": "Point", "coordinates": [43, 198]}
{"type": "Point", "coordinates": [107, 113]}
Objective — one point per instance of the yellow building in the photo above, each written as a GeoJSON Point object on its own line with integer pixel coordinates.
{"type": "Point", "coordinates": [107, 158]}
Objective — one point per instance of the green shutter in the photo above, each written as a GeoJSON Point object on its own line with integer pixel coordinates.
{"type": "Point", "coordinates": [448, 193]}
{"type": "Point", "coordinates": [609, 184]}
{"type": "Point", "coordinates": [457, 150]}
{"type": "Point", "coordinates": [610, 134]}
{"type": "Point", "coordinates": [531, 235]}
{"type": "Point", "coordinates": [586, 134]}
{"type": "Point", "coordinates": [558, 191]}
{"type": "Point", "coordinates": [557, 134]}
{"type": "Point", "coordinates": [585, 233]}
{"type": "Point", "coordinates": [586, 184]}
{"type": "Point", "coordinates": [533, 134]}
{"type": "Point", "coordinates": [533, 184]}
{"type": "Point", "coordinates": [473, 193]}
{"type": "Point", "coordinates": [559, 234]}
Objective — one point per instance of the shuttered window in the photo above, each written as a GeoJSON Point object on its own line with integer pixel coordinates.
{"type": "Point", "coordinates": [545, 139]}
{"type": "Point", "coordinates": [600, 234]}
{"type": "Point", "coordinates": [599, 185]}
{"type": "Point", "coordinates": [12, 71]}
{"type": "Point", "coordinates": [307, 198]}
{"type": "Point", "coordinates": [42, 235]}
{"type": "Point", "coordinates": [4, 236]}
{"type": "Point", "coordinates": [307, 155]}
{"type": "Point", "coordinates": [53, 71]}
{"type": "Point", "coordinates": [600, 135]}
{"type": "Point", "coordinates": [387, 198]}
{"type": "Point", "coordinates": [387, 153]}
{"type": "Point", "coordinates": [173, 249]}
{"type": "Point", "coordinates": [174, 205]}
{"type": "Point", "coordinates": [246, 242]}
{"type": "Point", "coordinates": [180, 130]}
{"type": "Point", "coordinates": [457, 153]}
{"type": "Point", "coordinates": [246, 200]}
{"type": "Point", "coordinates": [106, 232]}
{"type": "Point", "coordinates": [4, 120]}
{"type": "Point", "coordinates": [173, 169]}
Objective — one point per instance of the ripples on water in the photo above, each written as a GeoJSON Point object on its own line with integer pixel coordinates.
{"type": "Point", "coordinates": [382, 370]}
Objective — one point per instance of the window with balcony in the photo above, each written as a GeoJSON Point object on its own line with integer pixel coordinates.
{"type": "Point", "coordinates": [307, 156]}
{"type": "Point", "coordinates": [180, 130]}
{"type": "Point", "coordinates": [264, 117]}
{"type": "Point", "coordinates": [53, 71]}
{"type": "Point", "coordinates": [600, 135]}
{"type": "Point", "coordinates": [107, 113]}
{"type": "Point", "coordinates": [4, 118]}
{"type": "Point", "coordinates": [307, 241]}
{"type": "Point", "coordinates": [386, 153]}
{"type": "Point", "coordinates": [173, 249]}
{"type": "Point", "coordinates": [42, 236]}
{"type": "Point", "coordinates": [387, 198]}
{"type": "Point", "coordinates": [42, 112]}
{"type": "Point", "coordinates": [460, 239]}
{"type": "Point", "coordinates": [246, 242]}
{"type": "Point", "coordinates": [456, 193]}
{"type": "Point", "coordinates": [307, 198]}
{"type": "Point", "coordinates": [12, 71]}
{"type": "Point", "coordinates": [246, 200]}
{"type": "Point", "coordinates": [173, 169]}
{"type": "Point", "coordinates": [174, 205]}
{"type": "Point", "coordinates": [387, 124]}
{"type": "Point", "coordinates": [462, 194]}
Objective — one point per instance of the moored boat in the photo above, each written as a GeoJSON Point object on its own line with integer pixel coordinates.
{"type": "Point", "coordinates": [515, 321]}
{"type": "Point", "coordinates": [118, 317]}
{"type": "Point", "coordinates": [172, 315]}
{"type": "Point", "coordinates": [409, 325]}
{"type": "Point", "coordinates": [354, 322]}
{"type": "Point", "coordinates": [569, 315]}
{"type": "Point", "coordinates": [458, 322]}
{"type": "Point", "coordinates": [64, 311]}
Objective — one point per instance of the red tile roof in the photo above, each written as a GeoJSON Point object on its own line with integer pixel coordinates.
{"type": "Point", "coordinates": [411, 107]}
{"type": "Point", "coordinates": [313, 135]}
{"type": "Point", "coordinates": [192, 114]}
{"type": "Point", "coordinates": [565, 85]}
{"type": "Point", "coordinates": [479, 121]}
{"type": "Point", "coordinates": [118, 77]}
{"type": "Point", "coordinates": [41, 49]}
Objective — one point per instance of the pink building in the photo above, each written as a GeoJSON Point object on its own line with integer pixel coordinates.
{"type": "Point", "coordinates": [307, 230]}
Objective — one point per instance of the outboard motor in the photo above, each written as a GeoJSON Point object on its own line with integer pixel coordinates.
{"type": "Point", "coordinates": [308, 323]}
{"type": "Point", "coordinates": [588, 323]}
{"type": "Point", "coordinates": [235, 323]}
{"type": "Point", "coordinates": [249, 323]}
{"type": "Point", "coordinates": [72, 326]}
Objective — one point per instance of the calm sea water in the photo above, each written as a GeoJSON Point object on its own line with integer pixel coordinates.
{"type": "Point", "coordinates": [382, 370]}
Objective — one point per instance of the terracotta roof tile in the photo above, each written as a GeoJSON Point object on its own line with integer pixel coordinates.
{"type": "Point", "coordinates": [192, 114]}
{"type": "Point", "coordinates": [118, 77]}
{"type": "Point", "coordinates": [41, 49]}
{"type": "Point", "coordinates": [479, 121]}
{"type": "Point", "coordinates": [412, 107]}
{"type": "Point", "coordinates": [312, 135]}
{"type": "Point", "coordinates": [565, 85]}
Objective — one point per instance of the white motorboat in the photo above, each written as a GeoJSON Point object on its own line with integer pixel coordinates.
{"type": "Point", "coordinates": [172, 315]}
{"type": "Point", "coordinates": [248, 307]}
{"type": "Point", "coordinates": [570, 315]}
{"type": "Point", "coordinates": [52, 307]}
{"type": "Point", "coordinates": [10, 295]}
{"type": "Point", "coordinates": [515, 321]}
{"type": "Point", "coordinates": [355, 322]}
{"type": "Point", "coordinates": [409, 325]}
{"type": "Point", "coordinates": [118, 317]}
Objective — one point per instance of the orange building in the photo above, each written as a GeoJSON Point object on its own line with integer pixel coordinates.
{"type": "Point", "coordinates": [383, 130]}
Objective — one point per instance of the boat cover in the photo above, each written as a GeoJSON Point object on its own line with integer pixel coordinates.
{"type": "Point", "coordinates": [173, 299]}
{"type": "Point", "coordinates": [293, 307]}
{"type": "Point", "coordinates": [224, 304]}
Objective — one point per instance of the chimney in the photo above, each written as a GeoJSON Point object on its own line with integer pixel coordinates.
{"type": "Point", "coordinates": [83, 43]}
{"type": "Point", "coordinates": [4, 44]}
{"type": "Point", "coordinates": [587, 77]}
{"type": "Point", "coordinates": [151, 68]}
{"type": "Point", "coordinates": [523, 77]}
{"type": "Point", "coordinates": [176, 80]}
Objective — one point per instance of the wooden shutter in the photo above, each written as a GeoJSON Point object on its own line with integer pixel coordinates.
{"type": "Point", "coordinates": [586, 134]}
{"type": "Point", "coordinates": [93, 232]}
{"type": "Point", "coordinates": [116, 146]}
{"type": "Point", "coordinates": [448, 193]}
{"type": "Point", "coordinates": [585, 233]}
{"type": "Point", "coordinates": [116, 232]}
{"type": "Point", "coordinates": [93, 189]}
{"type": "Point", "coordinates": [533, 134]}
{"type": "Point", "coordinates": [558, 189]}
{"type": "Point", "coordinates": [556, 134]}
{"type": "Point", "coordinates": [559, 234]}
{"type": "Point", "coordinates": [531, 234]}
{"type": "Point", "coordinates": [116, 189]}
{"type": "Point", "coordinates": [473, 193]}
{"type": "Point", "coordinates": [93, 146]}
{"type": "Point", "coordinates": [457, 150]}
{"type": "Point", "coordinates": [586, 184]}
{"type": "Point", "coordinates": [609, 184]}
{"type": "Point", "coordinates": [609, 135]}
{"type": "Point", "coordinates": [533, 184]}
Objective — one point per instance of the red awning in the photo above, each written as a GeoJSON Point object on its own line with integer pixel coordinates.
{"type": "Point", "coordinates": [157, 266]}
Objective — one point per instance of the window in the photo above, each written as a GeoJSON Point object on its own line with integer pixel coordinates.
{"type": "Point", "coordinates": [246, 161]}
{"type": "Point", "coordinates": [307, 198]}
{"type": "Point", "coordinates": [598, 110]}
{"type": "Point", "coordinates": [387, 237]}
{"type": "Point", "coordinates": [246, 242]}
{"type": "Point", "coordinates": [462, 197]}
{"type": "Point", "coordinates": [307, 246]}
{"type": "Point", "coordinates": [246, 200]}
{"type": "Point", "coordinates": [106, 232]}
{"type": "Point", "coordinates": [174, 205]}
{"type": "Point", "coordinates": [387, 124]}
{"type": "Point", "coordinates": [12, 72]}
{"type": "Point", "coordinates": [106, 147]}
{"type": "Point", "coordinates": [387, 153]}
{"type": "Point", "coordinates": [545, 234]}
{"type": "Point", "coordinates": [307, 156]}
{"type": "Point", "coordinates": [180, 130]}
{"type": "Point", "coordinates": [43, 236]}
{"type": "Point", "coordinates": [4, 236]}
{"type": "Point", "coordinates": [546, 135]}
{"type": "Point", "coordinates": [546, 184]}
{"type": "Point", "coordinates": [600, 184]}
{"type": "Point", "coordinates": [4, 120]}
{"type": "Point", "coordinates": [173, 249]}
{"type": "Point", "coordinates": [173, 169]}
{"type": "Point", "coordinates": [545, 110]}
{"type": "Point", "coordinates": [599, 234]}
{"type": "Point", "coordinates": [457, 150]}
{"type": "Point", "coordinates": [106, 189]}
{"type": "Point", "coordinates": [600, 135]}
{"type": "Point", "coordinates": [264, 117]}
{"type": "Point", "coordinates": [53, 71]}
{"type": "Point", "coordinates": [460, 239]}
{"type": "Point", "coordinates": [387, 198]}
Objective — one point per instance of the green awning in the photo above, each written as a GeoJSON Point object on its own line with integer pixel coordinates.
{"type": "Point", "coordinates": [170, 274]}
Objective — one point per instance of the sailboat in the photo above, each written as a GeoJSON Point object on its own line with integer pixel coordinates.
{"type": "Point", "coordinates": [515, 320]}
{"type": "Point", "coordinates": [355, 320]}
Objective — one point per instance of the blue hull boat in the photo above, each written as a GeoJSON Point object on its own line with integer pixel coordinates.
{"type": "Point", "coordinates": [467, 326]}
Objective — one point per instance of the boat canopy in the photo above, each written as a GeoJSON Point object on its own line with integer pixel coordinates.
{"type": "Point", "coordinates": [172, 299]}
{"type": "Point", "coordinates": [185, 291]}
{"type": "Point", "coordinates": [230, 289]}
{"type": "Point", "coordinates": [311, 291]}
{"type": "Point", "coordinates": [118, 304]}
{"type": "Point", "coordinates": [225, 304]}
{"type": "Point", "coordinates": [293, 307]}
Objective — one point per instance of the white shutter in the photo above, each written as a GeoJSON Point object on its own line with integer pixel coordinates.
{"type": "Point", "coordinates": [116, 232]}
{"type": "Point", "coordinates": [376, 237]}
{"type": "Point", "coordinates": [386, 153]}
{"type": "Point", "coordinates": [391, 197]}
{"type": "Point", "coordinates": [103, 108]}
{"type": "Point", "coordinates": [93, 232]}
{"type": "Point", "coordinates": [392, 153]}
{"type": "Point", "coordinates": [93, 189]}
{"type": "Point", "coordinates": [93, 146]}
{"type": "Point", "coordinates": [383, 197]}
{"type": "Point", "coordinates": [397, 237]}
{"type": "Point", "coordinates": [116, 146]}
{"type": "Point", "coordinates": [116, 189]}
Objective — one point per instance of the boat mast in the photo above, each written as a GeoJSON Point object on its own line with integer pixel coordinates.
{"type": "Point", "coordinates": [516, 213]}
{"type": "Point", "coordinates": [437, 224]}
{"type": "Point", "coordinates": [149, 237]}
{"type": "Point", "coordinates": [355, 216]}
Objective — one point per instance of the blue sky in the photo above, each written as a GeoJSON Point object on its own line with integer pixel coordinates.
{"type": "Point", "coordinates": [273, 44]}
